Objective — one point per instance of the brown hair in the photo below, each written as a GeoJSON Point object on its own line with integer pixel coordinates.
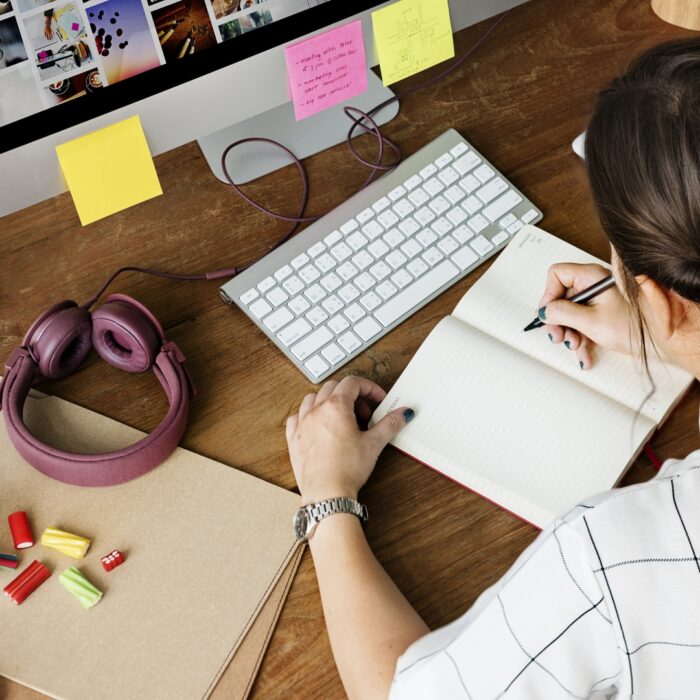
{"type": "Point", "coordinates": [643, 159]}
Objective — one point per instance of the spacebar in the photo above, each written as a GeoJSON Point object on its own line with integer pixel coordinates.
{"type": "Point", "coordinates": [412, 296]}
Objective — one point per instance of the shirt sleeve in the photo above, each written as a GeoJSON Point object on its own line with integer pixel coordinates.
{"type": "Point", "coordinates": [544, 630]}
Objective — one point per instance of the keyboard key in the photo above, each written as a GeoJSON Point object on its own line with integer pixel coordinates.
{"type": "Point", "coordinates": [349, 342]}
{"type": "Point", "coordinates": [448, 245]}
{"type": "Point", "coordinates": [396, 259]}
{"type": "Point", "coordinates": [418, 197]}
{"type": "Point", "coordinates": [426, 237]}
{"type": "Point", "coordinates": [507, 221]}
{"type": "Point", "coordinates": [349, 227]}
{"type": "Point", "coordinates": [380, 270]}
{"type": "Point", "coordinates": [481, 245]}
{"type": "Point", "coordinates": [397, 193]}
{"type": "Point", "coordinates": [443, 160]}
{"type": "Point", "coordinates": [439, 205]}
{"type": "Point", "coordinates": [454, 194]}
{"type": "Point", "coordinates": [316, 249]}
{"type": "Point", "coordinates": [514, 228]}
{"type": "Point", "coordinates": [298, 305]}
{"type": "Point", "coordinates": [348, 293]}
{"type": "Point", "coordinates": [338, 324]}
{"type": "Point", "coordinates": [367, 328]}
{"type": "Point", "coordinates": [401, 279]}
{"type": "Point", "coordinates": [428, 171]}
{"type": "Point", "coordinates": [432, 256]}
{"type": "Point", "coordinates": [529, 216]}
{"type": "Point", "coordinates": [456, 216]}
{"type": "Point", "coordinates": [463, 234]}
{"type": "Point", "coordinates": [267, 284]}
{"type": "Point", "coordinates": [333, 354]}
{"type": "Point", "coordinates": [412, 182]}
{"type": "Point", "coordinates": [331, 282]}
{"type": "Point", "coordinates": [316, 315]}
{"type": "Point", "coordinates": [409, 226]}
{"type": "Point", "coordinates": [442, 226]}
{"type": "Point", "coordinates": [378, 248]}
{"type": "Point", "coordinates": [424, 216]}
{"type": "Point", "coordinates": [309, 274]}
{"type": "Point", "coordinates": [448, 176]}
{"type": "Point", "coordinates": [316, 365]}
{"type": "Point", "coordinates": [459, 149]}
{"type": "Point", "coordinates": [364, 282]}
{"type": "Point", "coordinates": [294, 331]}
{"type": "Point", "coordinates": [315, 293]}
{"type": "Point", "coordinates": [365, 215]}
{"type": "Point", "coordinates": [381, 204]}
{"type": "Point", "coordinates": [278, 319]}
{"type": "Point", "coordinates": [332, 305]}
{"type": "Point", "coordinates": [386, 289]}
{"type": "Point", "coordinates": [341, 251]}
{"type": "Point", "coordinates": [347, 271]}
{"type": "Point", "coordinates": [403, 207]}
{"type": "Point", "coordinates": [362, 260]}
{"type": "Point", "coordinates": [433, 186]}
{"type": "Point", "coordinates": [499, 238]}
{"type": "Point", "coordinates": [277, 296]}
{"type": "Point", "coordinates": [484, 173]}
{"type": "Point", "coordinates": [372, 230]}
{"type": "Point", "coordinates": [301, 260]}
{"type": "Point", "coordinates": [411, 248]}
{"type": "Point", "coordinates": [387, 219]}
{"type": "Point", "coordinates": [469, 184]}
{"type": "Point", "coordinates": [370, 301]}
{"type": "Point", "coordinates": [283, 273]}
{"type": "Point", "coordinates": [260, 308]}
{"type": "Point", "coordinates": [492, 189]}
{"type": "Point", "coordinates": [499, 208]}
{"type": "Point", "coordinates": [471, 205]}
{"type": "Point", "coordinates": [478, 223]}
{"type": "Point", "coordinates": [468, 161]}
{"type": "Point", "coordinates": [354, 312]}
{"type": "Point", "coordinates": [464, 258]}
{"type": "Point", "coordinates": [248, 296]}
{"type": "Point", "coordinates": [325, 262]}
{"type": "Point", "coordinates": [393, 238]}
{"type": "Point", "coordinates": [357, 241]}
{"type": "Point", "coordinates": [414, 294]}
{"type": "Point", "coordinates": [331, 239]}
{"type": "Point", "coordinates": [417, 267]}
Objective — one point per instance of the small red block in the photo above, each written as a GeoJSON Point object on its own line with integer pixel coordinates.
{"type": "Point", "coordinates": [112, 560]}
{"type": "Point", "coordinates": [21, 530]}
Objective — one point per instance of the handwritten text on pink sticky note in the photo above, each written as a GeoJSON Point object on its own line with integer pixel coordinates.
{"type": "Point", "coordinates": [327, 69]}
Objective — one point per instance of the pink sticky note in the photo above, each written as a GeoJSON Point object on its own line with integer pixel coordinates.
{"type": "Point", "coordinates": [327, 69]}
{"type": "Point", "coordinates": [75, 26]}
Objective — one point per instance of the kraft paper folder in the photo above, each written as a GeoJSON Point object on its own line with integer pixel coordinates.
{"type": "Point", "coordinates": [210, 559]}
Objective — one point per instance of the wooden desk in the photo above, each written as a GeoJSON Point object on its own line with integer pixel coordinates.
{"type": "Point", "coordinates": [521, 100]}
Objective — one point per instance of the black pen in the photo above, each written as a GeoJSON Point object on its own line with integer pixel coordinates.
{"type": "Point", "coordinates": [581, 298]}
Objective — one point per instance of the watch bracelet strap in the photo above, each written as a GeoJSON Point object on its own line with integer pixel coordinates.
{"type": "Point", "coordinates": [322, 509]}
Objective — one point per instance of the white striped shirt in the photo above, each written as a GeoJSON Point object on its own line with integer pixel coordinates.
{"type": "Point", "coordinates": [604, 603]}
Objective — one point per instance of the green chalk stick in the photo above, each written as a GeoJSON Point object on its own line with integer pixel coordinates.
{"type": "Point", "coordinates": [76, 584]}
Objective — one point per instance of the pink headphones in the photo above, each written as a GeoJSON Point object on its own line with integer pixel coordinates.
{"type": "Point", "coordinates": [128, 336]}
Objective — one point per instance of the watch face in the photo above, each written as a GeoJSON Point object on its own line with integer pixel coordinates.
{"type": "Point", "coordinates": [300, 523]}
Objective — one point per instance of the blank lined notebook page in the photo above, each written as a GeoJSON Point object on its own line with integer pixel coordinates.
{"type": "Point", "coordinates": [505, 300]}
{"type": "Point", "coordinates": [512, 429]}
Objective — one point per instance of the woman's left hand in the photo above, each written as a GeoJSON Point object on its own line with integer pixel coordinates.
{"type": "Point", "coordinates": [331, 456]}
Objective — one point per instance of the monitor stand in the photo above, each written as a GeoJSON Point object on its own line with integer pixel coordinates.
{"type": "Point", "coordinates": [303, 138]}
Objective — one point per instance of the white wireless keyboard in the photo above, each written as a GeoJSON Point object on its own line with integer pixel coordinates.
{"type": "Point", "coordinates": [349, 278]}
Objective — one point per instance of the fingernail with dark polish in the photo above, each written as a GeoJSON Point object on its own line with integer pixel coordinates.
{"type": "Point", "coordinates": [541, 313]}
{"type": "Point", "coordinates": [580, 364]}
{"type": "Point", "coordinates": [409, 414]}
{"type": "Point", "coordinates": [550, 336]}
{"type": "Point", "coordinates": [568, 344]}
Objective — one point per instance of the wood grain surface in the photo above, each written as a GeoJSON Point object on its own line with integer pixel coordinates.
{"type": "Point", "coordinates": [520, 100]}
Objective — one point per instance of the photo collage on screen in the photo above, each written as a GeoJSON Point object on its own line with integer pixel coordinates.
{"type": "Point", "coordinates": [52, 51]}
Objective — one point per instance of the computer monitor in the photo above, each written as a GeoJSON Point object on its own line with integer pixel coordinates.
{"type": "Point", "coordinates": [212, 70]}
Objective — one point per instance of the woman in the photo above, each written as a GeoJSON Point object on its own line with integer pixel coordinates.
{"type": "Point", "coordinates": [606, 602]}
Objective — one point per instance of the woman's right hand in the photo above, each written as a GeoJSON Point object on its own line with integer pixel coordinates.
{"type": "Point", "coordinates": [607, 320]}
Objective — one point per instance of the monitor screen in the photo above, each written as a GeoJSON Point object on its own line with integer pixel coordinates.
{"type": "Point", "coordinates": [64, 62]}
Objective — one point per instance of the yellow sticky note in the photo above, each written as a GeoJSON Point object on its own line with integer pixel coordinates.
{"type": "Point", "coordinates": [109, 170]}
{"type": "Point", "coordinates": [412, 35]}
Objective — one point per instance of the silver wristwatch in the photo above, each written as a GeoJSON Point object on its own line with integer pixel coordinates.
{"type": "Point", "coordinates": [307, 517]}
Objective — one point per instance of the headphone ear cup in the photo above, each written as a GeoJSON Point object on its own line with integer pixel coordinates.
{"type": "Point", "coordinates": [124, 336]}
{"type": "Point", "coordinates": [61, 341]}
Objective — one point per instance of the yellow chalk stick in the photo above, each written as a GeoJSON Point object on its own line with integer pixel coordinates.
{"type": "Point", "coordinates": [65, 542]}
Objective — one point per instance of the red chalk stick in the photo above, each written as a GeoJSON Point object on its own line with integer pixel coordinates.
{"type": "Point", "coordinates": [21, 530]}
{"type": "Point", "coordinates": [21, 587]}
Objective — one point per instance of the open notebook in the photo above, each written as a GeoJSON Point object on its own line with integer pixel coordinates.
{"type": "Point", "coordinates": [512, 416]}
